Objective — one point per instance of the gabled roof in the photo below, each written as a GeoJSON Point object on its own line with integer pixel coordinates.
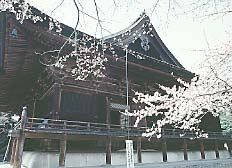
{"type": "Point", "coordinates": [142, 37]}
{"type": "Point", "coordinates": [157, 59]}
{"type": "Point", "coordinates": [138, 36]}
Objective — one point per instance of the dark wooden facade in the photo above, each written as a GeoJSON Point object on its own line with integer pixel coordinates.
{"type": "Point", "coordinates": [55, 95]}
{"type": "Point", "coordinates": [17, 64]}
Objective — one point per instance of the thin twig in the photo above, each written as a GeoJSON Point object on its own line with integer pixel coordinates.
{"type": "Point", "coordinates": [98, 18]}
{"type": "Point", "coordinates": [154, 6]}
{"type": "Point", "coordinates": [62, 1]}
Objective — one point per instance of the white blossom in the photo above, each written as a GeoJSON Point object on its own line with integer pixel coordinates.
{"type": "Point", "coordinates": [183, 107]}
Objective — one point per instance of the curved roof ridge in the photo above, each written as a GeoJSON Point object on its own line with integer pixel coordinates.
{"type": "Point", "coordinates": [165, 48]}
{"type": "Point", "coordinates": [136, 22]}
{"type": "Point", "coordinates": [137, 27]}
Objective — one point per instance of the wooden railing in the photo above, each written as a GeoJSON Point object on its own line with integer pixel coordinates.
{"type": "Point", "coordinates": [79, 127]}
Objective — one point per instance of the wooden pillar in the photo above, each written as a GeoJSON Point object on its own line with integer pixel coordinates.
{"type": "Point", "coordinates": [202, 149]}
{"type": "Point", "coordinates": [57, 101]}
{"type": "Point", "coordinates": [55, 113]}
{"type": "Point", "coordinates": [185, 149]}
{"type": "Point", "coordinates": [229, 148]}
{"type": "Point", "coordinates": [18, 152]}
{"type": "Point", "coordinates": [139, 153]}
{"type": "Point", "coordinates": [216, 149]}
{"type": "Point", "coordinates": [13, 151]}
{"type": "Point", "coordinates": [164, 150]}
{"type": "Point", "coordinates": [20, 141]}
{"type": "Point", "coordinates": [63, 143]}
{"type": "Point", "coordinates": [108, 143]}
{"type": "Point", "coordinates": [108, 151]}
{"type": "Point", "coordinates": [108, 112]}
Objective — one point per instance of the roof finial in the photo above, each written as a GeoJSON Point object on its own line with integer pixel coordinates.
{"type": "Point", "coordinates": [144, 12]}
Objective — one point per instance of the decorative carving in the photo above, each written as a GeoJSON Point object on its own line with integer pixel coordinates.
{"type": "Point", "coordinates": [145, 43]}
{"type": "Point", "coordinates": [14, 33]}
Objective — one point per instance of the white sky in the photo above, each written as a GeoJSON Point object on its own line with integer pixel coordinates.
{"type": "Point", "coordinates": [183, 35]}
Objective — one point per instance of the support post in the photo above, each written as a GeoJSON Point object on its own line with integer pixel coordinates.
{"type": "Point", "coordinates": [108, 151]}
{"type": "Point", "coordinates": [185, 147]}
{"type": "Point", "coordinates": [202, 149]}
{"type": "Point", "coordinates": [108, 120]}
{"type": "Point", "coordinates": [164, 150]}
{"type": "Point", "coordinates": [229, 148]}
{"type": "Point", "coordinates": [20, 141]}
{"type": "Point", "coordinates": [57, 101]}
{"type": "Point", "coordinates": [63, 143]}
{"type": "Point", "coordinates": [139, 153]}
{"type": "Point", "coordinates": [13, 151]}
{"type": "Point", "coordinates": [216, 149]}
{"type": "Point", "coordinates": [55, 114]}
{"type": "Point", "coordinates": [108, 143]}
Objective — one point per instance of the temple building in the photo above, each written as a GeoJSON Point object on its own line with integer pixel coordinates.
{"type": "Point", "coordinates": [33, 74]}
{"type": "Point", "coordinates": [51, 92]}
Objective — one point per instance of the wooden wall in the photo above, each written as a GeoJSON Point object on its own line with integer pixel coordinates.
{"type": "Point", "coordinates": [18, 65]}
{"type": "Point", "coordinates": [83, 107]}
{"type": "Point", "coordinates": [2, 39]}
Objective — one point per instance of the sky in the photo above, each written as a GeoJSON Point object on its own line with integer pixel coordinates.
{"type": "Point", "coordinates": [187, 36]}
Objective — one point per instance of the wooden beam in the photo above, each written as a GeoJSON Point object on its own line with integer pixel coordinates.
{"type": "Point", "coordinates": [39, 135]}
{"type": "Point", "coordinates": [164, 150]}
{"type": "Point", "coordinates": [185, 147]}
{"type": "Point", "coordinates": [139, 153]}
{"type": "Point", "coordinates": [62, 156]}
{"type": "Point", "coordinates": [202, 149]}
{"type": "Point", "coordinates": [90, 90]}
{"type": "Point", "coordinates": [216, 149]}
{"type": "Point", "coordinates": [70, 136]}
